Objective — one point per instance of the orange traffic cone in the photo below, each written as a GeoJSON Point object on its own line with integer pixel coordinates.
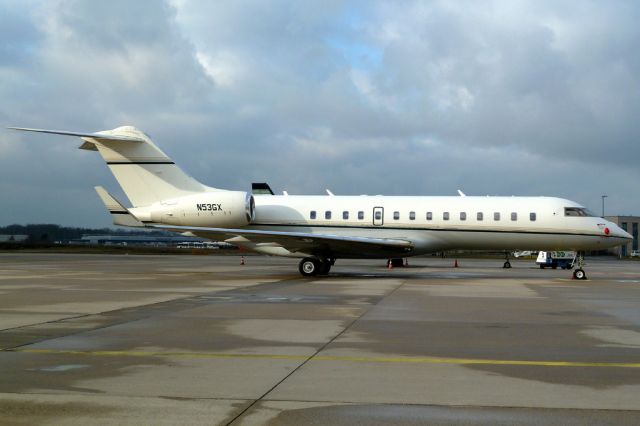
{"type": "Point", "coordinates": [455, 264]}
{"type": "Point", "coordinates": [242, 260]}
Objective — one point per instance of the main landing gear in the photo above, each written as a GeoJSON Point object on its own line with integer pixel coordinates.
{"type": "Point", "coordinates": [312, 266]}
{"type": "Point", "coordinates": [507, 264]}
{"type": "Point", "coordinates": [579, 273]}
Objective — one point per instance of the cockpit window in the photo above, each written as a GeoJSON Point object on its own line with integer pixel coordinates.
{"type": "Point", "coordinates": [577, 211]}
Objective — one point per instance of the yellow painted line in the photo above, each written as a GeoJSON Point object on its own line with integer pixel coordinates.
{"type": "Point", "coordinates": [369, 359]}
{"type": "Point", "coordinates": [158, 354]}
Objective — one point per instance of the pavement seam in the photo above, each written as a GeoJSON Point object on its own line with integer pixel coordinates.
{"type": "Point", "coordinates": [44, 322]}
{"type": "Point", "coordinates": [312, 356]}
{"type": "Point", "coordinates": [150, 307]}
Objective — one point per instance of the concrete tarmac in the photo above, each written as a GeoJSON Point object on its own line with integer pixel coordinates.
{"type": "Point", "coordinates": [115, 339]}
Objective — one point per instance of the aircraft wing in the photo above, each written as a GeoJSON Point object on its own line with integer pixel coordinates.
{"type": "Point", "coordinates": [299, 242]}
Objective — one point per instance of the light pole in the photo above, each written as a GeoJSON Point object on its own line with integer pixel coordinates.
{"type": "Point", "coordinates": [603, 197]}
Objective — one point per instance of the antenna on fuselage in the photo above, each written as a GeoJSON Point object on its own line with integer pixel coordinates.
{"type": "Point", "coordinates": [462, 194]}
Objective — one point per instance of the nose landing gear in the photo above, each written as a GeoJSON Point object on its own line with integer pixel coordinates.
{"type": "Point", "coordinates": [579, 273]}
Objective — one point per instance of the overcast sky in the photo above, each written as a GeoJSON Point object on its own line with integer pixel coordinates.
{"type": "Point", "coordinates": [397, 97]}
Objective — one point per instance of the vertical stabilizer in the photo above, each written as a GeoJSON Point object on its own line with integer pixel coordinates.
{"type": "Point", "coordinates": [145, 173]}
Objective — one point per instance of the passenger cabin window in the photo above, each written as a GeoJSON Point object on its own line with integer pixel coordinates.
{"type": "Point", "coordinates": [412, 215]}
{"type": "Point", "coordinates": [396, 215]}
{"type": "Point", "coordinates": [345, 215]}
{"type": "Point", "coordinates": [496, 216]}
{"type": "Point", "coordinates": [429, 216]}
{"type": "Point", "coordinates": [463, 216]}
{"type": "Point", "coordinates": [577, 211]}
{"type": "Point", "coordinates": [445, 216]}
{"type": "Point", "coordinates": [514, 216]}
{"type": "Point", "coordinates": [327, 214]}
{"type": "Point", "coordinates": [479, 216]}
{"type": "Point", "coordinates": [378, 215]}
{"type": "Point", "coordinates": [312, 214]}
{"type": "Point", "coordinates": [532, 217]}
{"type": "Point", "coordinates": [360, 215]}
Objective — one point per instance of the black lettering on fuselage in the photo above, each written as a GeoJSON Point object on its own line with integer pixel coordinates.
{"type": "Point", "coordinates": [208, 207]}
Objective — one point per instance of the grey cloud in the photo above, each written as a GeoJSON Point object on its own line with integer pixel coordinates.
{"type": "Point", "coordinates": [531, 85]}
{"type": "Point", "coordinates": [19, 34]}
{"type": "Point", "coordinates": [530, 98]}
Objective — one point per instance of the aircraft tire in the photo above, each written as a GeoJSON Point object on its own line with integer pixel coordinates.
{"type": "Point", "coordinates": [325, 267]}
{"type": "Point", "coordinates": [579, 274]}
{"type": "Point", "coordinates": [309, 267]}
{"type": "Point", "coordinates": [507, 265]}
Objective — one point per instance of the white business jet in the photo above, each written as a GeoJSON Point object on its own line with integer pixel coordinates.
{"type": "Point", "coordinates": [321, 229]}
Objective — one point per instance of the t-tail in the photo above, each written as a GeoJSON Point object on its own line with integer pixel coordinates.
{"type": "Point", "coordinates": [159, 191]}
{"type": "Point", "coordinates": [145, 173]}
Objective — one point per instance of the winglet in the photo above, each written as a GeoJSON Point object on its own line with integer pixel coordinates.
{"type": "Point", "coordinates": [119, 214]}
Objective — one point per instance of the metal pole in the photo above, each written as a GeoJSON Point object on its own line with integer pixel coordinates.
{"type": "Point", "coordinates": [603, 197]}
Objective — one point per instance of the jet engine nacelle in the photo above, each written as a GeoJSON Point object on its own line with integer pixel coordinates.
{"type": "Point", "coordinates": [223, 209]}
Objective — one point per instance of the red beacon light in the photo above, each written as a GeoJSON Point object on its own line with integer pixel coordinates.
{"type": "Point", "coordinates": [606, 231]}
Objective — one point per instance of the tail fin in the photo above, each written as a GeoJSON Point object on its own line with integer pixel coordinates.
{"type": "Point", "coordinates": [145, 173]}
{"type": "Point", "coordinates": [119, 214]}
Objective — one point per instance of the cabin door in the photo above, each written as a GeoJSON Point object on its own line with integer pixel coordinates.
{"type": "Point", "coordinates": [378, 216]}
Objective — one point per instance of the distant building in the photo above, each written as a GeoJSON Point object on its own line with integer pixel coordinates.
{"type": "Point", "coordinates": [11, 238]}
{"type": "Point", "coordinates": [133, 240]}
{"type": "Point", "coordinates": [149, 241]}
{"type": "Point", "coordinates": [629, 224]}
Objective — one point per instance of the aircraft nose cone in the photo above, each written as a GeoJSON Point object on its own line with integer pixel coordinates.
{"type": "Point", "coordinates": [620, 233]}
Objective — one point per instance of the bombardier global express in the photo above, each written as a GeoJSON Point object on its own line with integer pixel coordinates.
{"type": "Point", "coordinates": [321, 229]}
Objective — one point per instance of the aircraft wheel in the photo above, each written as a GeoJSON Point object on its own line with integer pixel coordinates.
{"type": "Point", "coordinates": [325, 267]}
{"type": "Point", "coordinates": [309, 267]}
{"type": "Point", "coordinates": [579, 274]}
{"type": "Point", "coordinates": [507, 265]}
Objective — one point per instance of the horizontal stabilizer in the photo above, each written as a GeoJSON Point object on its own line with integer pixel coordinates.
{"type": "Point", "coordinates": [97, 136]}
{"type": "Point", "coordinates": [119, 214]}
